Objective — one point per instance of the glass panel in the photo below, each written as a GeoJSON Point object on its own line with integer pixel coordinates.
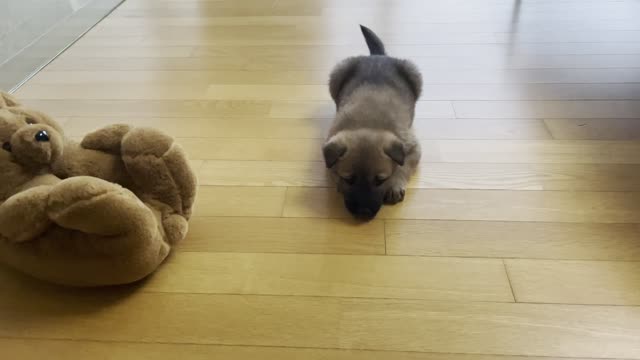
{"type": "Point", "coordinates": [34, 32]}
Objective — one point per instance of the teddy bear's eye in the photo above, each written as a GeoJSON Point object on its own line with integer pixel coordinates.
{"type": "Point", "coordinates": [42, 136]}
{"type": "Point", "coordinates": [6, 146]}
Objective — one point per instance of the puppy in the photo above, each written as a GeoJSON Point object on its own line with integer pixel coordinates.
{"type": "Point", "coordinates": [371, 149]}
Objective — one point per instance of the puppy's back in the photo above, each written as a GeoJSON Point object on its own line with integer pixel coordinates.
{"type": "Point", "coordinates": [375, 70]}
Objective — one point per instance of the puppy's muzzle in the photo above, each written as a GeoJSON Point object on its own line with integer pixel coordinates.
{"type": "Point", "coordinates": [363, 208]}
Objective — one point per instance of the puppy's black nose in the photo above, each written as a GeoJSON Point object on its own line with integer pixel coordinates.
{"type": "Point", "coordinates": [364, 213]}
{"type": "Point", "coordinates": [42, 136]}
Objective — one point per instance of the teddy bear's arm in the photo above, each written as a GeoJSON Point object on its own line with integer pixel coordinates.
{"type": "Point", "coordinates": [107, 139]}
{"type": "Point", "coordinates": [24, 215]}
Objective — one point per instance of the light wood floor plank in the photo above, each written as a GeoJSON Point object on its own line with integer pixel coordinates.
{"type": "Point", "coordinates": [284, 235]}
{"type": "Point", "coordinates": [408, 325]}
{"type": "Point", "coordinates": [253, 149]}
{"type": "Point", "coordinates": [594, 129]}
{"type": "Point", "coordinates": [334, 276]}
{"type": "Point", "coordinates": [430, 92]}
{"type": "Point", "coordinates": [131, 51]}
{"type": "Point", "coordinates": [323, 58]}
{"type": "Point", "coordinates": [488, 205]}
{"type": "Point", "coordinates": [589, 177]}
{"type": "Point", "coordinates": [150, 108]}
{"type": "Point", "coordinates": [214, 127]}
{"type": "Point", "coordinates": [496, 239]}
{"type": "Point", "coordinates": [547, 109]}
{"type": "Point", "coordinates": [299, 109]}
{"type": "Point", "coordinates": [290, 77]}
{"type": "Point", "coordinates": [263, 127]}
{"type": "Point", "coordinates": [451, 25]}
{"type": "Point", "coordinates": [30, 349]}
{"type": "Point", "coordinates": [516, 151]}
{"type": "Point", "coordinates": [577, 282]}
{"type": "Point", "coordinates": [239, 201]}
{"type": "Point", "coordinates": [315, 77]}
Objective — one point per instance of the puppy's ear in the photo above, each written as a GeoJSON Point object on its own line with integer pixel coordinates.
{"type": "Point", "coordinates": [396, 152]}
{"type": "Point", "coordinates": [333, 151]}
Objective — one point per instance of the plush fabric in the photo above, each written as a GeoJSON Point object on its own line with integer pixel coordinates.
{"type": "Point", "coordinates": [104, 211]}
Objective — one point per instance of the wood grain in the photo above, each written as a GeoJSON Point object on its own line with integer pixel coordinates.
{"type": "Point", "coordinates": [300, 77]}
{"type": "Point", "coordinates": [430, 92]}
{"type": "Point", "coordinates": [498, 239]}
{"type": "Point", "coordinates": [284, 235]}
{"type": "Point", "coordinates": [410, 325]}
{"type": "Point", "coordinates": [29, 349]}
{"type": "Point", "coordinates": [317, 109]}
{"type": "Point", "coordinates": [481, 176]}
{"type": "Point", "coordinates": [239, 201]}
{"type": "Point", "coordinates": [334, 276]}
{"type": "Point", "coordinates": [149, 108]}
{"type": "Point", "coordinates": [548, 109]}
{"type": "Point", "coordinates": [594, 129]}
{"type": "Point", "coordinates": [486, 205]}
{"type": "Point", "coordinates": [312, 128]}
{"type": "Point", "coordinates": [253, 149]}
{"type": "Point", "coordinates": [576, 282]}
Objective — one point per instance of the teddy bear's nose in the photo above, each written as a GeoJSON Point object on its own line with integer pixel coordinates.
{"type": "Point", "coordinates": [42, 136]}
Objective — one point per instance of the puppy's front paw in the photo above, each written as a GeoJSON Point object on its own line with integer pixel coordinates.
{"type": "Point", "coordinates": [394, 195]}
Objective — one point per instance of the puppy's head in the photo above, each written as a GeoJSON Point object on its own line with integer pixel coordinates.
{"type": "Point", "coordinates": [361, 161]}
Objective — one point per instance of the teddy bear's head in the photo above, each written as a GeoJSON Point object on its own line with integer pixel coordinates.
{"type": "Point", "coordinates": [29, 138]}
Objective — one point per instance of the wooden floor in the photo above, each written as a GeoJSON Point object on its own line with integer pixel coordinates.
{"type": "Point", "coordinates": [518, 239]}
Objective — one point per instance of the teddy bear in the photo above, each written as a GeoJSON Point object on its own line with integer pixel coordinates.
{"type": "Point", "coordinates": [104, 211]}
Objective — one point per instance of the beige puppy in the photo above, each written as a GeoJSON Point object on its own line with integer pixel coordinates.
{"type": "Point", "coordinates": [371, 149]}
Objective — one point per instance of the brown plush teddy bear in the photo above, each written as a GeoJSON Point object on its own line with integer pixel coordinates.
{"type": "Point", "coordinates": [103, 212]}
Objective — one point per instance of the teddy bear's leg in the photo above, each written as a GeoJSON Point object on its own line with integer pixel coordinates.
{"type": "Point", "coordinates": [24, 216]}
{"type": "Point", "coordinates": [104, 235]}
{"type": "Point", "coordinates": [160, 169]}
{"type": "Point", "coordinates": [98, 207]}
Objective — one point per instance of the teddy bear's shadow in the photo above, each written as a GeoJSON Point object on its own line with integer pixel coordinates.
{"type": "Point", "coordinates": [27, 301]}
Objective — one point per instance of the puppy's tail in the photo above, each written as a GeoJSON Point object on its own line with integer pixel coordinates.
{"type": "Point", "coordinates": [376, 47]}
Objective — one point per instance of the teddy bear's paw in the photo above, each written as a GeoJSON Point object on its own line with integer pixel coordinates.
{"type": "Point", "coordinates": [160, 169]}
{"type": "Point", "coordinates": [23, 216]}
{"type": "Point", "coordinates": [175, 228]}
{"type": "Point", "coordinates": [98, 207]}
{"type": "Point", "coordinates": [146, 142]}
{"type": "Point", "coordinates": [107, 139]}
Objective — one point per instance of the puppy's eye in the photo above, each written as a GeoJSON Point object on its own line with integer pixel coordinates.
{"type": "Point", "coordinates": [6, 146]}
{"type": "Point", "coordinates": [379, 180]}
{"type": "Point", "coordinates": [348, 179]}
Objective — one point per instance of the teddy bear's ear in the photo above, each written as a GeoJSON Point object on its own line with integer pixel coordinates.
{"type": "Point", "coordinates": [36, 117]}
{"type": "Point", "coordinates": [7, 100]}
